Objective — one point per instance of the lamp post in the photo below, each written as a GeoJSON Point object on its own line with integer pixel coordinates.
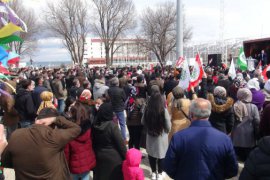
{"type": "Point", "coordinates": [179, 30]}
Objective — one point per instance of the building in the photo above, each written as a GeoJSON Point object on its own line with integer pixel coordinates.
{"type": "Point", "coordinates": [127, 52]}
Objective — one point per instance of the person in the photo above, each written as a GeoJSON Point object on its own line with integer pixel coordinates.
{"type": "Point", "coordinates": [46, 98]}
{"type": "Point", "coordinates": [79, 152]}
{"type": "Point", "coordinates": [246, 126]}
{"type": "Point", "coordinates": [24, 103]}
{"type": "Point", "coordinates": [39, 88]}
{"type": "Point", "coordinates": [263, 58]}
{"type": "Point", "coordinates": [158, 124]}
{"type": "Point", "coordinates": [3, 145]}
{"type": "Point", "coordinates": [99, 88]}
{"type": "Point", "coordinates": [265, 121]}
{"type": "Point", "coordinates": [258, 163]}
{"type": "Point", "coordinates": [108, 145]}
{"type": "Point", "coordinates": [179, 106]}
{"type": "Point", "coordinates": [224, 80]}
{"type": "Point", "coordinates": [118, 98]}
{"type": "Point", "coordinates": [37, 152]}
{"type": "Point", "coordinates": [258, 97]}
{"type": "Point", "coordinates": [222, 114]}
{"type": "Point", "coordinates": [131, 166]}
{"type": "Point", "coordinates": [200, 151]}
{"type": "Point", "coordinates": [73, 91]}
{"type": "Point", "coordinates": [60, 92]}
{"type": "Point", "coordinates": [266, 92]}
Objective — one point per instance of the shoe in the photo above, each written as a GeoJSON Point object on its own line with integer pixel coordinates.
{"type": "Point", "coordinates": [160, 176]}
{"type": "Point", "coordinates": [154, 176]}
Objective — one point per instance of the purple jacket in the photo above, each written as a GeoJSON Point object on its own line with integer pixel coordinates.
{"type": "Point", "coordinates": [258, 98]}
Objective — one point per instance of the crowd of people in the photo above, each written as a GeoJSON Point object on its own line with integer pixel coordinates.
{"type": "Point", "coordinates": [64, 123]}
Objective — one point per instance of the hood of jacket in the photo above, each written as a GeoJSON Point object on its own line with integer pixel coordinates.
{"type": "Point", "coordinates": [264, 144]}
{"type": "Point", "coordinates": [133, 157]}
{"type": "Point", "coordinates": [99, 83]}
{"type": "Point", "coordinates": [22, 92]}
{"type": "Point", "coordinates": [220, 108]}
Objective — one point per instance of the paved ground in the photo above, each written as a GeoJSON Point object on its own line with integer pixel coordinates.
{"type": "Point", "coordinates": [9, 173]}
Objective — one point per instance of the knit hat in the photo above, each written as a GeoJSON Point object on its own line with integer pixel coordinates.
{"type": "Point", "coordinates": [253, 84]}
{"type": "Point", "coordinates": [114, 81]}
{"type": "Point", "coordinates": [220, 91]}
{"type": "Point", "coordinates": [46, 98]}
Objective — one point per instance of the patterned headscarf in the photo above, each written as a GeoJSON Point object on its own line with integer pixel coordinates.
{"type": "Point", "coordinates": [220, 91]}
{"type": "Point", "coordinates": [244, 95]}
{"type": "Point", "coordinates": [239, 82]}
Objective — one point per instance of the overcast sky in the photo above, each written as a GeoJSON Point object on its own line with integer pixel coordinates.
{"type": "Point", "coordinates": [242, 18]}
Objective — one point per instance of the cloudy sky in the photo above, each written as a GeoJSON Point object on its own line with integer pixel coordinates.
{"type": "Point", "coordinates": [242, 18]}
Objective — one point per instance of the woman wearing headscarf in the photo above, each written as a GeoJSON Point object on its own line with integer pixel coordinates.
{"type": "Point", "coordinates": [179, 106]}
{"type": "Point", "coordinates": [258, 97]}
{"type": "Point", "coordinates": [157, 122]}
{"type": "Point", "coordinates": [246, 127]}
{"type": "Point", "coordinates": [222, 115]}
{"type": "Point", "coordinates": [47, 98]}
{"type": "Point", "coordinates": [239, 82]}
{"type": "Point", "coordinates": [108, 145]}
{"type": "Point", "coordinates": [266, 92]}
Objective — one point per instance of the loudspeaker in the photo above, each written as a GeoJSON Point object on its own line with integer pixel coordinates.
{"type": "Point", "coordinates": [214, 60]}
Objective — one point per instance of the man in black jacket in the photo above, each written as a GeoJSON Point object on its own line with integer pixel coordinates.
{"type": "Point", "coordinates": [24, 103]}
{"type": "Point", "coordinates": [118, 97]}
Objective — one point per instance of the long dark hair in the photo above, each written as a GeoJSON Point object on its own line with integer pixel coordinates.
{"type": "Point", "coordinates": [155, 115]}
{"type": "Point", "coordinates": [81, 115]}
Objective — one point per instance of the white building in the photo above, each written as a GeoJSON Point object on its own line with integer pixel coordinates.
{"type": "Point", "coordinates": [127, 52]}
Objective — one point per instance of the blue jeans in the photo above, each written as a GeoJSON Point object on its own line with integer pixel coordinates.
{"type": "Point", "coordinates": [61, 105]}
{"type": "Point", "coordinates": [83, 176]}
{"type": "Point", "coordinates": [122, 122]}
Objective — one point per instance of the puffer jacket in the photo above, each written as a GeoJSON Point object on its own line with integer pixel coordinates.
{"type": "Point", "coordinates": [130, 168]}
{"type": "Point", "coordinates": [222, 116]}
{"type": "Point", "coordinates": [258, 163]}
{"type": "Point", "coordinates": [80, 155]}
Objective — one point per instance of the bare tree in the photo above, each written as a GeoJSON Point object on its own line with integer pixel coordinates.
{"type": "Point", "coordinates": [159, 30]}
{"type": "Point", "coordinates": [114, 17]}
{"type": "Point", "coordinates": [68, 19]}
{"type": "Point", "coordinates": [29, 44]}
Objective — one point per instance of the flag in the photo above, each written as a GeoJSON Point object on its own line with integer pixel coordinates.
{"type": "Point", "coordinates": [13, 58]}
{"type": "Point", "coordinates": [185, 74]}
{"type": "Point", "coordinates": [10, 39]}
{"type": "Point", "coordinates": [197, 72]}
{"type": "Point", "coordinates": [241, 61]}
{"type": "Point", "coordinates": [179, 62]}
{"type": "Point", "coordinates": [232, 72]}
{"type": "Point", "coordinates": [9, 29]}
{"type": "Point", "coordinates": [4, 70]}
{"type": "Point", "coordinates": [267, 68]}
{"type": "Point", "coordinates": [3, 53]}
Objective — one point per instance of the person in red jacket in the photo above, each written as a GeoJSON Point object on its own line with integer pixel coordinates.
{"type": "Point", "coordinates": [79, 153]}
{"type": "Point", "coordinates": [131, 166]}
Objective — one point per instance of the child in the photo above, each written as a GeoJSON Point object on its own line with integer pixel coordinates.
{"type": "Point", "coordinates": [131, 169]}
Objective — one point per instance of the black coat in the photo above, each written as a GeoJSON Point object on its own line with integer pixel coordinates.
{"type": "Point", "coordinates": [257, 166]}
{"type": "Point", "coordinates": [24, 105]}
{"type": "Point", "coordinates": [118, 98]}
{"type": "Point", "coordinates": [110, 151]}
{"type": "Point", "coordinates": [222, 116]}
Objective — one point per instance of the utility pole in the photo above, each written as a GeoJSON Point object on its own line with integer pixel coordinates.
{"type": "Point", "coordinates": [179, 31]}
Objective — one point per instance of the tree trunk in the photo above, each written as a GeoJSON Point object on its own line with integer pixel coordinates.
{"type": "Point", "coordinates": [108, 60]}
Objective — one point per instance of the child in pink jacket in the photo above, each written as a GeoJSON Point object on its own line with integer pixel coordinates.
{"type": "Point", "coordinates": [131, 169]}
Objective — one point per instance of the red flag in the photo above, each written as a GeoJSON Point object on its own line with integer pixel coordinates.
{"type": "Point", "coordinates": [179, 62]}
{"type": "Point", "coordinates": [267, 68]}
{"type": "Point", "coordinates": [197, 72]}
{"type": "Point", "coordinates": [4, 70]}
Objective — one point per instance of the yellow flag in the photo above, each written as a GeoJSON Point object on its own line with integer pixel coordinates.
{"type": "Point", "coordinates": [9, 29]}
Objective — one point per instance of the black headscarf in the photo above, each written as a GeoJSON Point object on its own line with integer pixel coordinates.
{"type": "Point", "coordinates": [105, 113]}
